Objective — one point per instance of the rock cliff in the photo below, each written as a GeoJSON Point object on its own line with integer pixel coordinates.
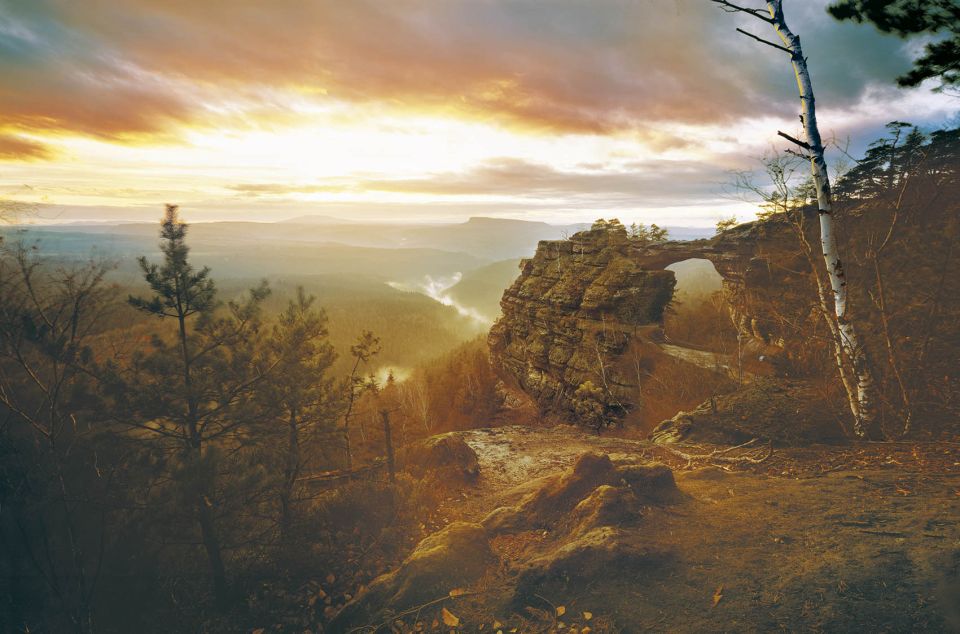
{"type": "Point", "coordinates": [582, 308]}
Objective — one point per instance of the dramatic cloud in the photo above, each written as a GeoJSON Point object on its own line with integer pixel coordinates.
{"type": "Point", "coordinates": [113, 68]}
{"type": "Point", "coordinates": [426, 108]}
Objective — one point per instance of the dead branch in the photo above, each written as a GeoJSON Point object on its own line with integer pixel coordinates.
{"type": "Point", "coordinates": [718, 454]}
{"type": "Point", "coordinates": [767, 42]}
{"type": "Point", "coordinates": [805, 157]}
{"type": "Point", "coordinates": [794, 140]}
{"type": "Point", "coordinates": [729, 7]}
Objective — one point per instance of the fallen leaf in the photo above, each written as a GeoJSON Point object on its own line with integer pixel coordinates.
{"type": "Point", "coordinates": [586, 630]}
{"type": "Point", "coordinates": [331, 578]}
{"type": "Point", "coordinates": [587, 616]}
{"type": "Point", "coordinates": [449, 618]}
{"type": "Point", "coordinates": [497, 625]}
{"type": "Point", "coordinates": [718, 595]}
{"type": "Point", "coordinates": [457, 592]}
{"type": "Point", "coordinates": [561, 610]}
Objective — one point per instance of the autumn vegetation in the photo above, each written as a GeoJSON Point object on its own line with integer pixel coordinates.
{"type": "Point", "coordinates": [172, 445]}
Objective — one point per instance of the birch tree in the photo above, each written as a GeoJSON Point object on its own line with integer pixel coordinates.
{"type": "Point", "coordinates": [864, 404]}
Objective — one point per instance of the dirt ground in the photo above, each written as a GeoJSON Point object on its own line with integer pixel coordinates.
{"type": "Point", "coordinates": [853, 538]}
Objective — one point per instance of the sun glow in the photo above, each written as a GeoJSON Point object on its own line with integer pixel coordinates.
{"type": "Point", "coordinates": [331, 158]}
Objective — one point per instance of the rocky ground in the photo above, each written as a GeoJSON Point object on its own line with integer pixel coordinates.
{"type": "Point", "coordinates": [567, 531]}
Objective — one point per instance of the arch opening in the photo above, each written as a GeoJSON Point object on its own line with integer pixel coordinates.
{"type": "Point", "coordinates": [699, 316]}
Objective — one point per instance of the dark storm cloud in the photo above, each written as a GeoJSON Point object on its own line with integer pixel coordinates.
{"type": "Point", "coordinates": [117, 68]}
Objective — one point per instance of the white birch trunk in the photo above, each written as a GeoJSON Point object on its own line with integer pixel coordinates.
{"type": "Point", "coordinates": [863, 414]}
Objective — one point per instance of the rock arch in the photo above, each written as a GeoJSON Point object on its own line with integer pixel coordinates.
{"type": "Point", "coordinates": [579, 303]}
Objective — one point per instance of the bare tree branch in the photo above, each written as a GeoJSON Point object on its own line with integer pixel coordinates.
{"type": "Point", "coordinates": [794, 140]}
{"type": "Point", "coordinates": [767, 42]}
{"type": "Point", "coordinates": [733, 8]}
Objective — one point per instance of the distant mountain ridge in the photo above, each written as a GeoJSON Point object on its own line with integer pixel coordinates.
{"type": "Point", "coordinates": [324, 243]}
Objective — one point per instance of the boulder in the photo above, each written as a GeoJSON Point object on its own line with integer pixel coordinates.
{"type": "Point", "coordinates": [444, 456]}
{"type": "Point", "coordinates": [602, 552]}
{"type": "Point", "coordinates": [782, 411]}
{"type": "Point", "coordinates": [593, 485]}
{"type": "Point", "coordinates": [556, 498]}
{"type": "Point", "coordinates": [451, 558]}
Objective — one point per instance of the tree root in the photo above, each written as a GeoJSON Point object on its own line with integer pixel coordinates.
{"type": "Point", "coordinates": [718, 454]}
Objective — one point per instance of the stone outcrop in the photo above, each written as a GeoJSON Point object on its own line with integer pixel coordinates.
{"type": "Point", "coordinates": [445, 457]}
{"type": "Point", "coordinates": [451, 558]}
{"type": "Point", "coordinates": [588, 518]}
{"type": "Point", "coordinates": [594, 492]}
{"type": "Point", "coordinates": [781, 411]}
{"type": "Point", "coordinates": [578, 305]}
{"type": "Point", "coordinates": [592, 513]}
{"type": "Point", "coordinates": [572, 310]}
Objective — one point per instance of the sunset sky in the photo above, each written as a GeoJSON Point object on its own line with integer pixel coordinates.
{"type": "Point", "coordinates": [433, 110]}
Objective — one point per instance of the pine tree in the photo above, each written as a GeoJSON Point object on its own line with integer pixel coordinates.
{"type": "Point", "coordinates": [299, 394]}
{"type": "Point", "coordinates": [941, 57]}
{"type": "Point", "coordinates": [193, 392]}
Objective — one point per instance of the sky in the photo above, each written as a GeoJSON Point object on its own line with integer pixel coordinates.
{"type": "Point", "coordinates": [420, 110]}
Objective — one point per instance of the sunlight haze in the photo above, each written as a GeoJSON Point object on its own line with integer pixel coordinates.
{"type": "Point", "coordinates": [414, 111]}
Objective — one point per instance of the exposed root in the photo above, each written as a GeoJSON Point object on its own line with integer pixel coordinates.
{"type": "Point", "coordinates": [718, 454]}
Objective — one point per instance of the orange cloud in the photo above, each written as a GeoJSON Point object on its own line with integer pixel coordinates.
{"type": "Point", "coordinates": [122, 70]}
{"type": "Point", "coordinates": [21, 149]}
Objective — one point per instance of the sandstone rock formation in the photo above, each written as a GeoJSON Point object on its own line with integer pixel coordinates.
{"type": "Point", "coordinates": [595, 490]}
{"type": "Point", "coordinates": [579, 304]}
{"type": "Point", "coordinates": [590, 512]}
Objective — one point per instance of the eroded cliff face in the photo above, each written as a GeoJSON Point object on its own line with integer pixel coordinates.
{"type": "Point", "coordinates": [571, 314]}
{"type": "Point", "coordinates": [582, 308]}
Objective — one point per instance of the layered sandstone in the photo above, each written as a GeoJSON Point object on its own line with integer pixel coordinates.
{"type": "Point", "coordinates": [579, 305]}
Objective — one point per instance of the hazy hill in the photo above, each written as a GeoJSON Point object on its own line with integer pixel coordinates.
{"type": "Point", "coordinates": [488, 239]}
{"type": "Point", "coordinates": [241, 250]}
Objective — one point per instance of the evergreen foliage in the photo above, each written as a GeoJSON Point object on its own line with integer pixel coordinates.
{"type": "Point", "coordinates": [941, 58]}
